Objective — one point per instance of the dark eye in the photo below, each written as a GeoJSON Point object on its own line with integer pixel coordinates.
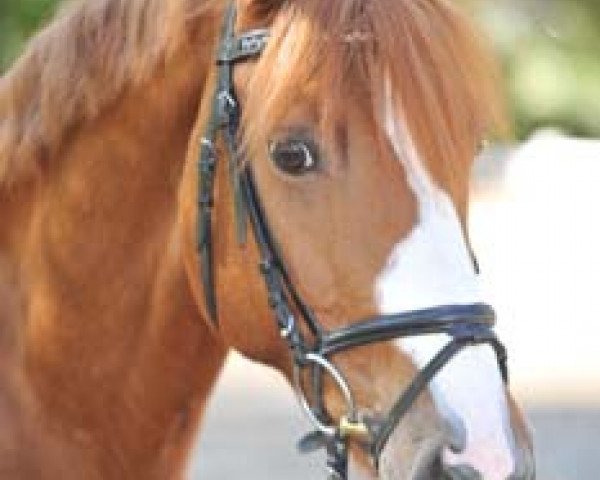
{"type": "Point", "coordinates": [293, 157]}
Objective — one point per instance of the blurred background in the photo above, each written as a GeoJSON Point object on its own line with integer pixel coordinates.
{"type": "Point", "coordinates": [534, 223]}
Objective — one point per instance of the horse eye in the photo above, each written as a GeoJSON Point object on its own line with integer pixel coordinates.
{"type": "Point", "coordinates": [293, 157]}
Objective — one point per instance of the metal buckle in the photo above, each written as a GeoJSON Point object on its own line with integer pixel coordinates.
{"type": "Point", "coordinates": [288, 329]}
{"type": "Point", "coordinates": [351, 428]}
{"type": "Point", "coordinates": [227, 106]}
{"type": "Point", "coordinates": [246, 45]}
{"type": "Point", "coordinates": [208, 158]}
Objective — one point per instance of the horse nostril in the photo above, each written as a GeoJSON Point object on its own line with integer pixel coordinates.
{"type": "Point", "coordinates": [461, 472]}
{"type": "Point", "coordinates": [434, 468]}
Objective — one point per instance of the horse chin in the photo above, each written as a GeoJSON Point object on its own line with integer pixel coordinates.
{"type": "Point", "coordinates": [360, 472]}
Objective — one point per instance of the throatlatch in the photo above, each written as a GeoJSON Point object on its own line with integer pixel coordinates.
{"type": "Point", "coordinates": [465, 325]}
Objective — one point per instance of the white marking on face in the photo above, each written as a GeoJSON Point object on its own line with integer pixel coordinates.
{"type": "Point", "coordinates": [432, 266]}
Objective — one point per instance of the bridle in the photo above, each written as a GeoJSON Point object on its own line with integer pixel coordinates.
{"type": "Point", "coordinates": [313, 347]}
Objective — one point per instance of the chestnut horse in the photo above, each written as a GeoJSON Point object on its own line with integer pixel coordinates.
{"type": "Point", "coordinates": [360, 121]}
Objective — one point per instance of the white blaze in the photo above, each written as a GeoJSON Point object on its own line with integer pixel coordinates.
{"type": "Point", "coordinates": [432, 266]}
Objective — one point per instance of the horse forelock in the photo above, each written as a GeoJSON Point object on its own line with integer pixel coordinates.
{"type": "Point", "coordinates": [442, 78]}
{"type": "Point", "coordinates": [95, 51]}
{"type": "Point", "coordinates": [80, 65]}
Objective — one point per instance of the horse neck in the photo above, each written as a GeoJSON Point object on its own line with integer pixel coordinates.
{"type": "Point", "coordinates": [114, 365]}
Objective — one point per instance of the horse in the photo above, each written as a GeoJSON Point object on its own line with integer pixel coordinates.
{"type": "Point", "coordinates": [129, 249]}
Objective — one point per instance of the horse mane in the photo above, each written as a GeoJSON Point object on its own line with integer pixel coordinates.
{"type": "Point", "coordinates": [79, 66]}
{"type": "Point", "coordinates": [442, 78]}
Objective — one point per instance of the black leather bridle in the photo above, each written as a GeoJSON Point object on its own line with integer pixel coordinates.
{"type": "Point", "coordinates": [313, 347]}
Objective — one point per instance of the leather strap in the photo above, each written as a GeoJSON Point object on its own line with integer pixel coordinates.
{"type": "Point", "coordinates": [444, 319]}
{"type": "Point", "coordinates": [465, 334]}
{"type": "Point", "coordinates": [224, 116]}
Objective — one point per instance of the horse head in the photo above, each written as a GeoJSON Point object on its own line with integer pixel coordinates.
{"type": "Point", "coordinates": [350, 129]}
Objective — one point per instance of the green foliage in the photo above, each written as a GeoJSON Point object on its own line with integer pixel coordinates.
{"type": "Point", "coordinates": [550, 51]}
{"type": "Point", "coordinates": [18, 18]}
{"type": "Point", "coordinates": [551, 58]}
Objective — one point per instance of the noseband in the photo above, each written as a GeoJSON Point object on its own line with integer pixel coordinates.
{"type": "Point", "coordinates": [313, 347]}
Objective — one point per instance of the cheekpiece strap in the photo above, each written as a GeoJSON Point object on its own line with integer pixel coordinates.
{"type": "Point", "coordinates": [225, 118]}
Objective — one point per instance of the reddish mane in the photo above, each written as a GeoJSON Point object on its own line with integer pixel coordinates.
{"type": "Point", "coordinates": [80, 65]}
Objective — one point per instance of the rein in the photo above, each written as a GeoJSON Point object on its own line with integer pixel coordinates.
{"type": "Point", "coordinates": [466, 325]}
